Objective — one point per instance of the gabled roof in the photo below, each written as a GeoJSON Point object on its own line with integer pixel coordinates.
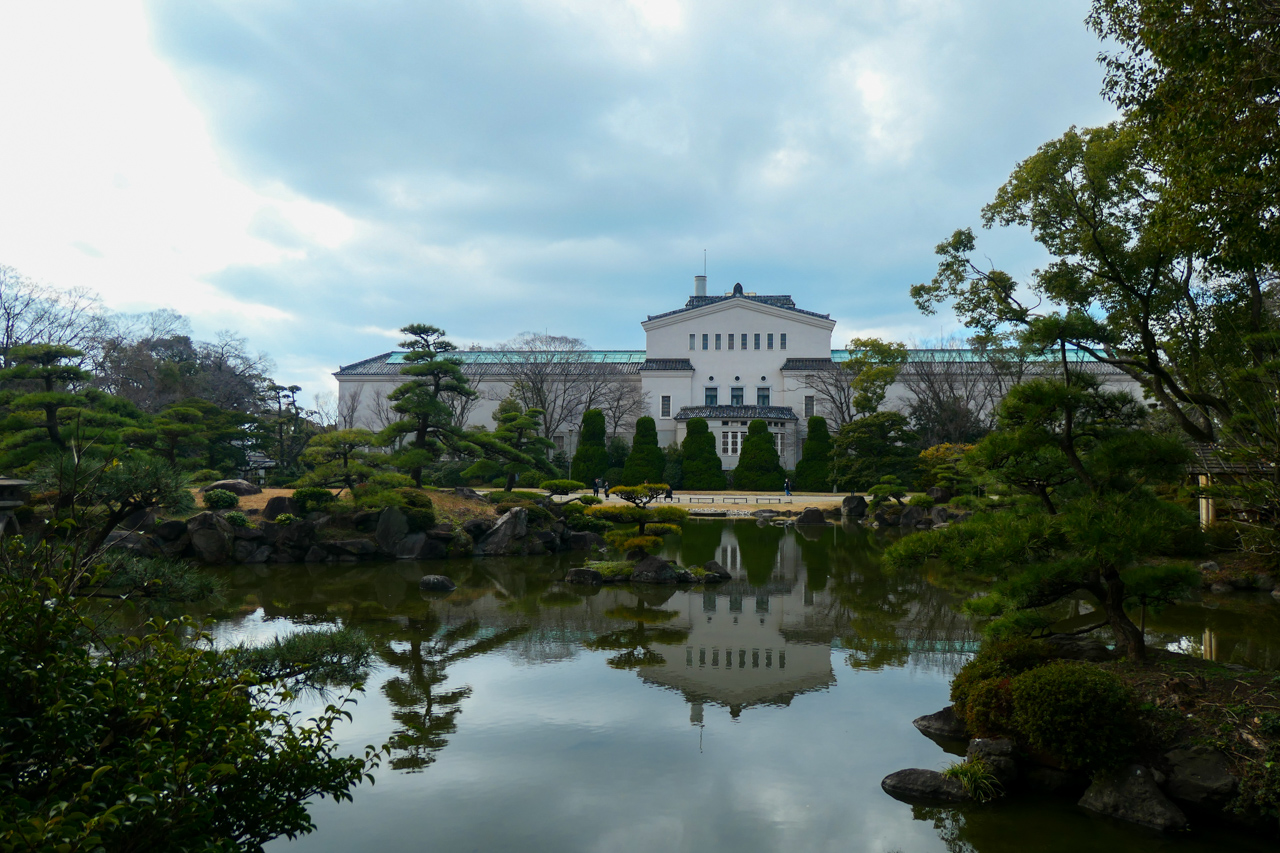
{"type": "Point", "coordinates": [737, 413]}
{"type": "Point", "coordinates": [778, 301]}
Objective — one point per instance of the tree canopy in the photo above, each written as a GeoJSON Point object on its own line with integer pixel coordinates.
{"type": "Point", "coordinates": [700, 464]}
{"type": "Point", "coordinates": [758, 465]}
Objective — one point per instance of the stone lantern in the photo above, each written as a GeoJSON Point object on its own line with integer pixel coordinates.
{"type": "Point", "coordinates": [13, 494]}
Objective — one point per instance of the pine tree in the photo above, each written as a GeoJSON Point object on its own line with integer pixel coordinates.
{"type": "Point", "coordinates": [646, 461]}
{"type": "Point", "coordinates": [813, 471]}
{"type": "Point", "coordinates": [591, 459]}
{"type": "Point", "coordinates": [758, 466]}
{"type": "Point", "coordinates": [701, 463]}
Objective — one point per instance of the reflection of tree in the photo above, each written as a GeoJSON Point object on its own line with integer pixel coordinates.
{"type": "Point", "coordinates": [424, 713]}
{"type": "Point", "coordinates": [758, 544]}
{"type": "Point", "coordinates": [699, 541]}
{"type": "Point", "coordinates": [633, 643]}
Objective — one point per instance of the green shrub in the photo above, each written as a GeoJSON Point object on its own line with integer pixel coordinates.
{"type": "Point", "coordinates": [590, 500]}
{"type": "Point", "coordinates": [204, 475]}
{"type": "Point", "coordinates": [976, 778]}
{"type": "Point", "coordinates": [1081, 714]}
{"type": "Point", "coordinates": [613, 476]}
{"type": "Point", "coordinates": [530, 479]}
{"type": "Point", "coordinates": [390, 480]}
{"type": "Point", "coordinates": [237, 519]}
{"type": "Point", "coordinates": [662, 529]}
{"type": "Point", "coordinates": [418, 508]}
{"type": "Point", "coordinates": [997, 659]}
{"type": "Point", "coordinates": [700, 465]}
{"type": "Point", "coordinates": [988, 708]}
{"type": "Point", "coordinates": [286, 518]}
{"type": "Point", "coordinates": [923, 501]}
{"type": "Point", "coordinates": [813, 471]}
{"type": "Point", "coordinates": [584, 523]}
{"type": "Point", "coordinates": [969, 503]}
{"type": "Point", "coordinates": [646, 460]}
{"type": "Point", "coordinates": [313, 498]}
{"type": "Point", "coordinates": [591, 459]}
{"type": "Point", "coordinates": [561, 487]}
{"type": "Point", "coordinates": [221, 499]}
{"type": "Point", "coordinates": [510, 497]}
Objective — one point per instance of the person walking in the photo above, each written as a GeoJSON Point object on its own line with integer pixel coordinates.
{"type": "Point", "coordinates": [786, 486]}
{"type": "Point", "coordinates": [595, 488]}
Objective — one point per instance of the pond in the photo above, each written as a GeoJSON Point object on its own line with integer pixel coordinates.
{"type": "Point", "coordinates": [759, 715]}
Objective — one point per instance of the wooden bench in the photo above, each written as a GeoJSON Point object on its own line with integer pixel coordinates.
{"type": "Point", "coordinates": [694, 499]}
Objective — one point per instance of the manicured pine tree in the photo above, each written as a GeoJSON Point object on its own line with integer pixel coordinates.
{"type": "Point", "coordinates": [701, 464]}
{"type": "Point", "coordinates": [646, 461]}
{"type": "Point", "coordinates": [813, 471]}
{"type": "Point", "coordinates": [758, 466]}
{"type": "Point", "coordinates": [591, 459]}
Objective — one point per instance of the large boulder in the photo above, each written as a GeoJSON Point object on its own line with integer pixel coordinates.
{"type": "Point", "coordinates": [1200, 775]}
{"type": "Point", "coordinates": [884, 519]}
{"type": "Point", "coordinates": [210, 537]}
{"type": "Point", "coordinates": [923, 786]}
{"type": "Point", "coordinates": [141, 521]}
{"type": "Point", "coordinates": [316, 554]}
{"type": "Point", "coordinates": [420, 546]}
{"type": "Point", "coordinates": [997, 755]}
{"type": "Point", "coordinates": [854, 506]}
{"type": "Point", "coordinates": [436, 583]}
{"type": "Point", "coordinates": [279, 505]}
{"type": "Point", "coordinates": [171, 531]}
{"type": "Point", "coordinates": [811, 515]}
{"type": "Point", "coordinates": [584, 576]}
{"type": "Point", "coordinates": [507, 535]}
{"type": "Point", "coordinates": [939, 494]}
{"type": "Point", "coordinates": [353, 547]}
{"type": "Point", "coordinates": [653, 570]}
{"type": "Point", "coordinates": [235, 487]}
{"type": "Point", "coordinates": [476, 528]}
{"type": "Point", "coordinates": [911, 516]}
{"type": "Point", "coordinates": [1132, 794]}
{"type": "Point", "coordinates": [939, 515]}
{"type": "Point", "coordinates": [714, 568]}
{"type": "Point", "coordinates": [942, 725]}
{"type": "Point", "coordinates": [469, 494]}
{"type": "Point", "coordinates": [584, 540]}
{"type": "Point", "coordinates": [392, 527]}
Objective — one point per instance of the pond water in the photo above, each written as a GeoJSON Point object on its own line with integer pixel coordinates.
{"type": "Point", "coordinates": [760, 715]}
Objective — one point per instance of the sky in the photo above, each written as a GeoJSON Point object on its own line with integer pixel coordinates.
{"type": "Point", "coordinates": [315, 175]}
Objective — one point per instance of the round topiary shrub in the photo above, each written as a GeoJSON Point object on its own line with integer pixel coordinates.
{"type": "Point", "coordinates": [988, 708]}
{"type": "Point", "coordinates": [221, 499]}
{"type": "Point", "coordinates": [418, 509]}
{"type": "Point", "coordinates": [312, 498]}
{"type": "Point", "coordinates": [1082, 715]}
{"type": "Point", "coordinates": [286, 518]}
{"type": "Point", "coordinates": [237, 519]}
{"type": "Point", "coordinates": [996, 659]}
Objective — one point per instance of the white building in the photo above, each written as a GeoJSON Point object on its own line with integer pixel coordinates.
{"type": "Point", "coordinates": [729, 359]}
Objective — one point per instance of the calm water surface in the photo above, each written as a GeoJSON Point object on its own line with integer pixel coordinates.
{"type": "Point", "coordinates": [761, 715]}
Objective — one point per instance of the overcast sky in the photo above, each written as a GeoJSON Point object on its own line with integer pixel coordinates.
{"type": "Point", "coordinates": [316, 175]}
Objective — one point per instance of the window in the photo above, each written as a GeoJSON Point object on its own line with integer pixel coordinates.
{"type": "Point", "coordinates": [731, 337]}
{"type": "Point", "coordinates": [782, 341]}
{"type": "Point", "coordinates": [691, 339]}
{"type": "Point", "coordinates": [666, 406]}
{"type": "Point", "coordinates": [735, 396]}
{"type": "Point", "coordinates": [724, 443]}
{"type": "Point", "coordinates": [704, 340]}
{"type": "Point", "coordinates": [717, 342]}
{"type": "Point", "coordinates": [559, 440]}
{"type": "Point", "coordinates": [808, 407]}
{"type": "Point", "coordinates": [777, 443]}
{"type": "Point", "coordinates": [771, 340]}
{"type": "Point", "coordinates": [757, 340]}
{"type": "Point", "coordinates": [729, 442]}
{"type": "Point", "coordinates": [762, 396]}
{"type": "Point", "coordinates": [744, 340]}
{"type": "Point", "coordinates": [710, 396]}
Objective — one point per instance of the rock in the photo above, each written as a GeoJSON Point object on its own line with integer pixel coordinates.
{"type": "Point", "coordinates": [584, 576]}
{"type": "Point", "coordinates": [930, 786]}
{"type": "Point", "coordinates": [1200, 775]}
{"type": "Point", "coordinates": [1132, 794]}
{"type": "Point", "coordinates": [686, 576]}
{"type": "Point", "coordinates": [653, 570]}
{"type": "Point", "coordinates": [354, 547]}
{"type": "Point", "coordinates": [260, 554]}
{"type": "Point", "coordinates": [534, 548]}
{"type": "Point", "coordinates": [1210, 566]}
{"type": "Point", "coordinates": [716, 569]}
{"type": "Point", "coordinates": [854, 506]}
{"type": "Point", "coordinates": [392, 527]}
{"type": "Point", "coordinates": [885, 520]}
{"type": "Point", "coordinates": [367, 521]}
{"type": "Point", "coordinates": [171, 531]}
{"type": "Point", "coordinates": [174, 548]}
{"type": "Point", "coordinates": [939, 494]}
{"type": "Point", "coordinates": [1265, 583]}
{"type": "Point", "coordinates": [549, 540]}
{"type": "Point", "coordinates": [141, 521]}
{"type": "Point", "coordinates": [420, 546]}
{"type": "Point", "coordinates": [911, 516]}
{"type": "Point", "coordinates": [506, 535]}
{"type": "Point", "coordinates": [1081, 648]}
{"type": "Point", "coordinates": [469, 494]}
{"type": "Point", "coordinates": [316, 554]}
{"type": "Point", "coordinates": [476, 528]}
{"type": "Point", "coordinates": [235, 487]}
{"type": "Point", "coordinates": [279, 505]}
{"type": "Point", "coordinates": [584, 540]}
{"type": "Point", "coordinates": [1221, 588]}
{"type": "Point", "coordinates": [436, 583]}
{"type": "Point", "coordinates": [811, 515]}
{"type": "Point", "coordinates": [939, 515]}
{"type": "Point", "coordinates": [442, 533]}
{"type": "Point", "coordinates": [944, 725]}
{"type": "Point", "coordinates": [765, 513]}
{"type": "Point", "coordinates": [242, 550]}
{"type": "Point", "coordinates": [127, 540]}
{"type": "Point", "coordinates": [210, 537]}
{"type": "Point", "coordinates": [997, 755]}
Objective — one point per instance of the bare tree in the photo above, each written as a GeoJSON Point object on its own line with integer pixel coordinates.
{"type": "Point", "coordinates": [551, 373]}
{"type": "Point", "coordinates": [834, 395]}
{"type": "Point", "coordinates": [955, 389]}
{"type": "Point", "coordinates": [349, 408]}
{"type": "Point", "coordinates": [622, 401]}
{"type": "Point", "coordinates": [231, 376]}
{"type": "Point", "coordinates": [325, 410]}
{"type": "Point", "coordinates": [34, 313]}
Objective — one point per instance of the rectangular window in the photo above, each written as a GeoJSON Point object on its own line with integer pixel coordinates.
{"type": "Point", "coordinates": [717, 342]}
{"type": "Point", "coordinates": [782, 341]}
{"type": "Point", "coordinates": [724, 443]}
{"type": "Point", "coordinates": [777, 443]}
{"type": "Point", "coordinates": [762, 396]}
{"type": "Point", "coordinates": [735, 396]}
{"type": "Point", "coordinates": [559, 440]}
{"type": "Point", "coordinates": [733, 444]}
{"type": "Point", "coordinates": [771, 340]}
{"type": "Point", "coordinates": [691, 339]}
{"type": "Point", "coordinates": [731, 337]}
{"type": "Point", "coordinates": [710, 396]}
{"type": "Point", "coordinates": [704, 340]}
{"type": "Point", "coordinates": [757, 340]}
{"type": "Point", "coordinates": [808, 407]}
{"type": "Point", "coordinates": [744, 340]}
{"type": "Point", "coordinates": [666, 406]}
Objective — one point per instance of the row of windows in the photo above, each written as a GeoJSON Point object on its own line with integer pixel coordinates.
{"type": "Point", "coordinates": [734, 338]}
{"type": "Point", "coordinates": [741, 657]}
{"type": "Point", "coordinates": [711, 396]}
{"type": "Point", "coordinates": [732, 440]}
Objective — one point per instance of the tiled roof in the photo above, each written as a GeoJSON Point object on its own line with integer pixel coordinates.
{"type": "Point", "coordinates": [667, 364]}
{"type": "Point", "coordinates": [779, 301]}
{"type": "Point", "coordinates": [494, 362]}
{"type": "Point", "coordinates": [809, 364]}
{"type": "Point", "coordinates": [740, 413]}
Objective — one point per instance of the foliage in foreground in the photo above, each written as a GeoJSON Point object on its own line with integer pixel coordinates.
{"type": "Point", "coordinates": [147, 742]}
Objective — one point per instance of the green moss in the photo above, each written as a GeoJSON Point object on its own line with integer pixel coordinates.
{"type": "Point", "coordinates": [611, 569]}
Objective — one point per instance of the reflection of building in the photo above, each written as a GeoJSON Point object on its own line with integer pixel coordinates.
{"type": "Point", "coordinates": [738, 653]}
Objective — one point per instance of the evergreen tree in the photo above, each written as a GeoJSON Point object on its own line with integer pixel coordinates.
{"type": "Point", "coordinates": [619, 450]}
{"type": "Point", "coordinates": [646, 461]}
{"type": "Point", "coordinates": [701, 464]}
{"type": "Point", "coordinates": [813, 471]}
{"type": "Point", "coordinates": [672, 469]}
{"type": "Point", "coordinates": [591, 459]}
{"type": "Point", "coordinates": [870, 448]}
{"type": "Point", "coordinates": [758, 466]}
{"type": "Point", "coordinates": [37, 389]}
{"type": "Point", "coordinates": [342, 458]}
{"type": "Point", "coordinates": [518, 441]}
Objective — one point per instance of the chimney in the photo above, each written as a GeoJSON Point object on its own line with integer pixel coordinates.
{"type": "Point", "coordinates": [699, 285]}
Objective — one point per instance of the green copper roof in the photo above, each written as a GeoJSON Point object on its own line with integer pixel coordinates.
{"type": "Point", "coordinates": [499, 356]}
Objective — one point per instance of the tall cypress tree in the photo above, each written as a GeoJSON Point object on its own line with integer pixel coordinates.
{"type": "Point", "coordinates": [758, 466]}
{"type": "Point", "coordinates": [701, 464]}
{"type": "Point", "coordinates": [646, 461]}
{"type": "Point", "coordinates": [813, 471]}
{"type": "Point", "coordinates": [591, 459]}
